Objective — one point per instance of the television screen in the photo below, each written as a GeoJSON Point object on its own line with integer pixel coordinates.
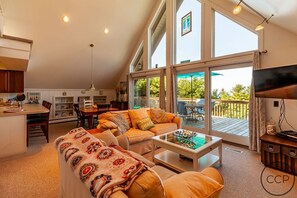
{"type": "Point", "coordinates": [277, 82]}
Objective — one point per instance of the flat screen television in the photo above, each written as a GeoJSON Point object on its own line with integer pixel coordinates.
{"type": "Point", "coordinates": [277, 82]}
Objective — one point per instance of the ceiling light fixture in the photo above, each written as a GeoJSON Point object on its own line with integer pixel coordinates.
{"type": "Point", "coordinates": [106, 30]}
{"type": "Point", "coordinates": [237, 9]}
{"type": "Point", "coordinates": [92, 87]}
{"type": "Point", "coordinates": [66, 19]}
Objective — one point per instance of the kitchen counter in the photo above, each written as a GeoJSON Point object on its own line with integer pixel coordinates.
{"type": "Point", "coordinates": [27, 109]}
{"type": "Point", "coordinates": [13, 129]}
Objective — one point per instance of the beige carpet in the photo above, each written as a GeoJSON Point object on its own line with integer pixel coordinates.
{"type": "Point", "coordinates": [36, 173]}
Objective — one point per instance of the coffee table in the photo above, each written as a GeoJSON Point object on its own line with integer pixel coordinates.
{"type": "Point", "coordinates": [187, 150]}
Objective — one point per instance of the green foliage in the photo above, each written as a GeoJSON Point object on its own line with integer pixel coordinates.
{"type": "Point", "coordinates": [154, 87]}
{"type": "Point", "coordinates": [140, 87]}
{"type": "Point", "coordinates": [238, 92]}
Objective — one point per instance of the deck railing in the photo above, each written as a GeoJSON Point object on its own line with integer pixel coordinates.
{"type": "Point", "coordinates": [227, 108]}
{"type": "Point", "coordinates": [231, 109]}
{"type": "Point", "coordinates": [221, 108]}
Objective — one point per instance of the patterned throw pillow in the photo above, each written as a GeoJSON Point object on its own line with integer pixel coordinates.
{"type": "Point", "coordinates": [145, 124]}
{"type": "Point", "coordinates": [121, 122]}
{"type": "Point", "coordinates": [158, 116]}
{"type": "Point", "coordinates": [136, 115]}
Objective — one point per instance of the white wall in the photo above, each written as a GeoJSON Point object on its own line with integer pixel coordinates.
{"type": "Point", "coordinates": [282, 47]}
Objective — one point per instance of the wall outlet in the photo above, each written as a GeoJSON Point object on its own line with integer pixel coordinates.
{"type": "Point", "coordinates": [275, 103]}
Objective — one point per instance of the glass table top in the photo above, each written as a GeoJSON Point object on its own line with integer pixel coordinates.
{"type": "Point", "coordinates": [186, 138]}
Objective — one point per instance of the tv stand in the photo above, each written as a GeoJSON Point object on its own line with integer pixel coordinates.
{"type": "Point", "coordinates": [279, 153]}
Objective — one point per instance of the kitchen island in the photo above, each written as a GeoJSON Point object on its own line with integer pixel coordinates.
{"type": "Point", "coordinates": [13, 128]}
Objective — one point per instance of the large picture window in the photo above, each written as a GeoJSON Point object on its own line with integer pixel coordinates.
{"type": "Point", "coordinates": [188, 39]}
{"type": "Point", "coordinates": [158, 40]}
{"type": "Point", "coordinates": [231, 38]}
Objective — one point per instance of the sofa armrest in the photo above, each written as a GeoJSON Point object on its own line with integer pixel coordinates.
{"type": "Point", "coordinates": [123, 141]}
{"type": "Point", "coordinates": [214, 174]}
{"type": "Point", "coordinates": [118, 194]}
{"type": "Point", "coordinates": [178, 121]}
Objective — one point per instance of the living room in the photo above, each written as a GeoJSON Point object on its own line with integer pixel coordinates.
{"type": "Point", "coordinates": [143, 55]}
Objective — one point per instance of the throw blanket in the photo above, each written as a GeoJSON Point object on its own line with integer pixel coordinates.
{"type": "Point", "coordinates": [102, 169]}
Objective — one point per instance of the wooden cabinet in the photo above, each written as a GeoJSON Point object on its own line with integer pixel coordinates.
{"type": "Point", "coordinates": [279, 153]}
{"type": "Point", "coordinates": [119, 105]}
{"type": "Point", "coordinates": [3, 82]}
{"type": "Point", "coordinates": [63, 107]}
{"type": "Point", "coordinates": [11, 81]}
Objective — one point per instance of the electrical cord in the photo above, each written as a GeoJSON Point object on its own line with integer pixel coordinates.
{"type": "Point", "coordinates": [282, 116]}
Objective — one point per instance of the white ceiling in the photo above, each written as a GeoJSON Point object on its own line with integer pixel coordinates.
{"type": "Point", "coordinates": [285, 11]}
{"type": "Point", "coordinates": [61, 56]}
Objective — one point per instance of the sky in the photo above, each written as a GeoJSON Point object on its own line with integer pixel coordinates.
{"type": "Point", "coordinates": [229, 38]}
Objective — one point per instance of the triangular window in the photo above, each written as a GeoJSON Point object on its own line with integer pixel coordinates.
{"type": "Point", "coordinates": [232, 38]}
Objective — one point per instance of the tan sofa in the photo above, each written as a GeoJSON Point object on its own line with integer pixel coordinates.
{"type": "Point", "coordinates": [157, 182]}
{"type": "Point", "coordinates": [140, 141]}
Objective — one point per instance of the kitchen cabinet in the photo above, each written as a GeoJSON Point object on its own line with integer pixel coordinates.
{"type": "Point", "coordinates": [11, 81]}
{"type": "Point", "coordinates": [3, 82]}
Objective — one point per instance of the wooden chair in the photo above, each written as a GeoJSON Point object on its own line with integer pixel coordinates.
{"type": "Point", "coordinates": [80, 117]}
{"type": "Point", "coordinates": [39, 120]}
{"type": "Point", "coordinates": [101, 108]}
{"type": "Point", "coordinates": [88, 103]}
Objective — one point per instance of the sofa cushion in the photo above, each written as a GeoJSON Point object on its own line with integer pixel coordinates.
{"type": "Point", "coordinates": [107, 137]}
{"type": "Point", "coordinates": [158, 116]}
{"type": "Point", "coordinates": [121, 122]}
{"type": "Point", "coordinates": [136, 135]}
{"type": "Point", "coordinates": [148, 184]}
{"type": "Point", "coordinates": [107, 115]}
{"type": "Point", "coordinates": [107, 124]}
{"type": "Point", "coordinates": [145, 124]}
{"type": "Point", "coordinates": [170, 116]}
{"type": "Point", "coordinates": [163, 128]}
{"type": "Point", "coordinates": [193, 184]}
{"type": "Point", "coordinates": [136, 115]}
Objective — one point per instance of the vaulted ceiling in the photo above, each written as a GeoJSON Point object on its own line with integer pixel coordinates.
{"type": "Point", "coordinates": [61, 56]}
{"type": "Point", "coordinates": [285, 12]}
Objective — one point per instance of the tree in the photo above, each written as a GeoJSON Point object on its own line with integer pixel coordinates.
{"type": "Point", "coordinates": [240, 92]}
{"type": "Point", "coordinates": [154, 87]}
{"type": "Point", "coordinates": [215, 94]}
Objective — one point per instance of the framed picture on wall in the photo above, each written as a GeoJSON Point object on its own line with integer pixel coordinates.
{"type": "Point", "coordinates": [186, 24]}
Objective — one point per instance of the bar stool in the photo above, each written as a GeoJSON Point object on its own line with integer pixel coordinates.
{"type": "Point", "coordinates": [39, 120]}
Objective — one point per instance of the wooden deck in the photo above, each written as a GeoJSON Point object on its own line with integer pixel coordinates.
{"type": "Point", "coordinates": [225, 125]}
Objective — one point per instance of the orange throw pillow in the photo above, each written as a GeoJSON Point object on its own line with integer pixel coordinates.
{"type": "Point", "coordinates": [136, 115]}
{"type": "Point", "coordinates": [158, 116]}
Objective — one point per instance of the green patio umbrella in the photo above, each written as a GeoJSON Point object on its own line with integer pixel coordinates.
{"type": "Point", "coordinates": [195, 75]}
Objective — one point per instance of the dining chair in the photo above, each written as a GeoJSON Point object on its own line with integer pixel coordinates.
{"type": "Point", "coordinates": [81, 119]}
{"type": "Point", "coordinates": [101, 108]}
{"type": "Point", "coordinates": [39, 120]}
{"type": "Point", "coordinates": [88, 103]}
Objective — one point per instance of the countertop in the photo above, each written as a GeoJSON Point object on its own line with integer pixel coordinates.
{"type": "Point", "coordinates": [27, 109]}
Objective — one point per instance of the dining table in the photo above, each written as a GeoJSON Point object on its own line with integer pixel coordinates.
{"type": "Point", "coordinates": [90, 112]}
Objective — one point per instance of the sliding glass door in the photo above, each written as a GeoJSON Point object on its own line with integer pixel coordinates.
{"type": "Point", "coordinates": [230, 92]}
{"type": "Point", "coordinates": [191, 99]}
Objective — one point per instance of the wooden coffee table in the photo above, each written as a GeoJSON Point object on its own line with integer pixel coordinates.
{"type": "Point", "coordinates": [187, 150]}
